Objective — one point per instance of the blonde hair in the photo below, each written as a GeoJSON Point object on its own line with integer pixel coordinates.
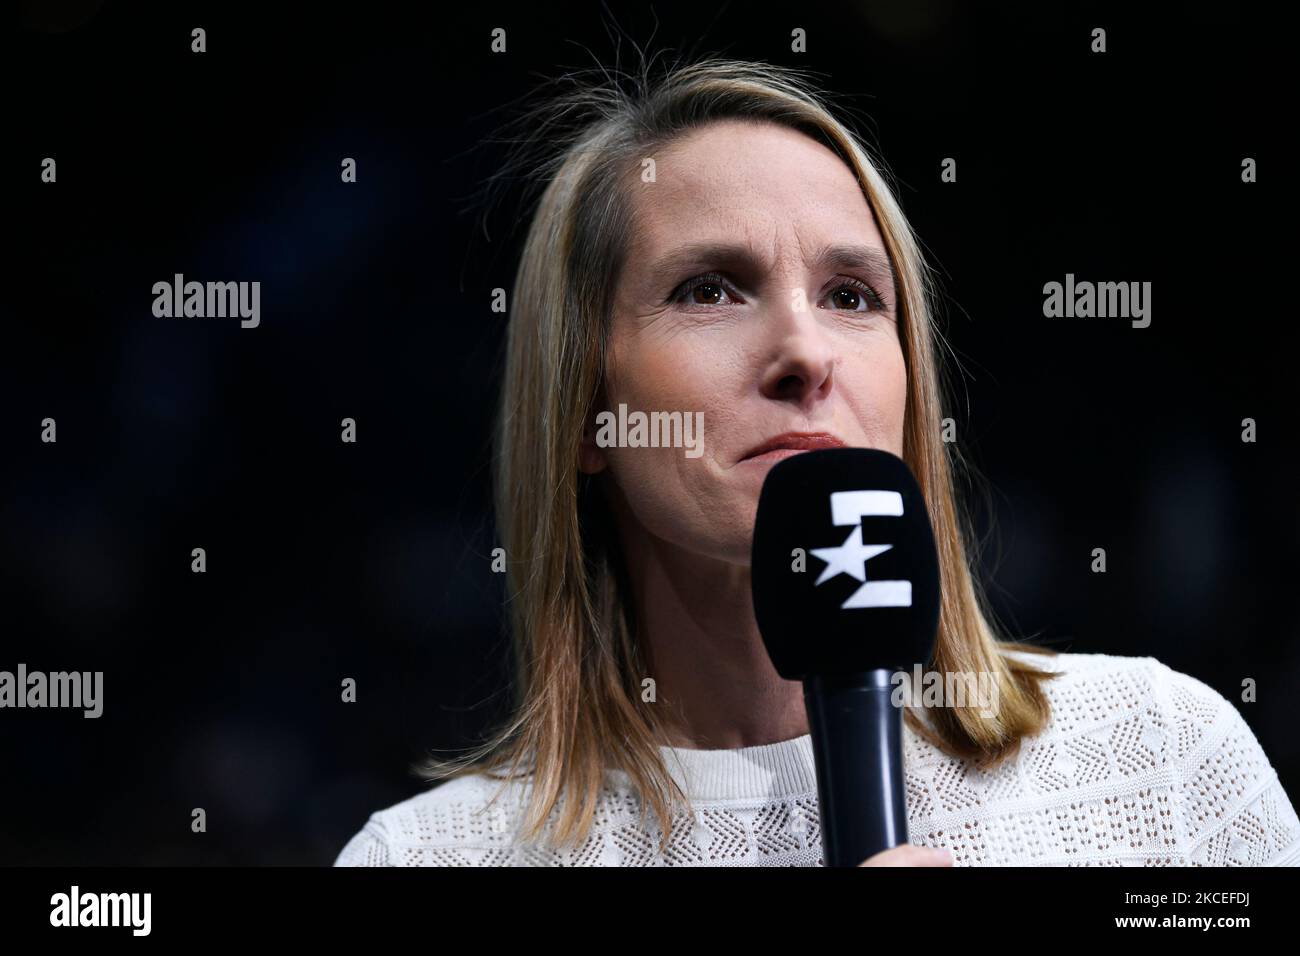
{"type": "Point", "coordinates": [578, 703]}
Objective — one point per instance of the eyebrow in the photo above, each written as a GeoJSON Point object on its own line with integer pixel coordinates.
{"type": "Point", "coordinates": [840, 256]}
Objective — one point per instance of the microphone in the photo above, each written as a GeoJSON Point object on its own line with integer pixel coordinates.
{"type": "Point", "coordinates": [845, 581]}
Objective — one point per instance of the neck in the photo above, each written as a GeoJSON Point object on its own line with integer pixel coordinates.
{"type": "Point", "coordinates": [712, 674]}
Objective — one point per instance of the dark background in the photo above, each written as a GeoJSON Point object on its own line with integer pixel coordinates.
{"type": "Point", "coordinates": [370, 561]}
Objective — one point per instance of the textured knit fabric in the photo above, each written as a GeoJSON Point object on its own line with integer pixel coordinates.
{"type": "Point", "coordinates": [1140, 765]}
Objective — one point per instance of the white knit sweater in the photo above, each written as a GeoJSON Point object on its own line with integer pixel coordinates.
{"type": "Point", "coordinates": [1140, 766]}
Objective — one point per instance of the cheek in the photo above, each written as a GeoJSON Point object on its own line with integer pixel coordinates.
{"type": "Point", "coordinates": [672, 494]}
{"type": "Point", "coordinates": [666, 373]}
{"type": "Point", "coordinates": [682, 371]}
{"type": "Point", "coordinates": [875, 387]}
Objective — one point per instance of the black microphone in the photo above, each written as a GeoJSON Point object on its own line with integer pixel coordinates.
{"type": "Point", "coordinates": [845, 581]}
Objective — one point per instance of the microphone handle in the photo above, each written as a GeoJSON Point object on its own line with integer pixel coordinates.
{"type": "Point", "coordinates": [857, 736]}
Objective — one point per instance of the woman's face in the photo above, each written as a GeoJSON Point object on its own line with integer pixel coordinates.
{"type": "Point", "coordinates": [758, 292]}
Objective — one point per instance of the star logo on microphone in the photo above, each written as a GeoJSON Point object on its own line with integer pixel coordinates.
{"type": "Point", "coordinates": [851, 557]}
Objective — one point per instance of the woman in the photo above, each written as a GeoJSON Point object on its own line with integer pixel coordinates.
{"type": "Point", "coordinates": [719, 243]}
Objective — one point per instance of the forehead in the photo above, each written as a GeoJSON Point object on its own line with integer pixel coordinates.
{"type": "Point", "coordinates": [756, 182]}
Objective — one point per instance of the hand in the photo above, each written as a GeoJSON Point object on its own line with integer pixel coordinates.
{"type": "Point", "coordinates": [907, 854]}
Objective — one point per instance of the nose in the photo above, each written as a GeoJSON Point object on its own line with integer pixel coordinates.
{"type": "Point", "coordinates": [799, 362]}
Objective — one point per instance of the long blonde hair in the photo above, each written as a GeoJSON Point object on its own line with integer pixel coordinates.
{"type": "Point", "coordinates": [578, 707]}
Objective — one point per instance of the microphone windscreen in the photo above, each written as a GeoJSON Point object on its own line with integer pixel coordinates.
{"type": "Point", "coordinates": [844, 571]}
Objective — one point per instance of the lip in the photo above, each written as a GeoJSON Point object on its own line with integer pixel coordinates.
{"type": "Point", "coordinates": [791, 443]}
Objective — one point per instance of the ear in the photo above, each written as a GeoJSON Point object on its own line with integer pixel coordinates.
{"type": "Point", "coordinates": [591, 457]}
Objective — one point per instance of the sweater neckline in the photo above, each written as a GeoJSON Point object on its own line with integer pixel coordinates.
{"type": "Point", "coordinates": [782, 769]}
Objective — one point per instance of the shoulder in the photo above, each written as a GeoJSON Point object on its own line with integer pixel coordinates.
{"type": "Point", "coordinates": [1115, 685]}
{"type": "Point", "coordinates": [1233, 805]}
{"type": "Point", "coordinates": [1177, 715]}
{"type": "Point", "coordinates": [1083, 665]}
{"type": "Point", "coordinates": [1092, 691]}
{"type": "Point", "coordinates": [465, 821]}
{"type": "Point", "coordinates": [1171, 729]}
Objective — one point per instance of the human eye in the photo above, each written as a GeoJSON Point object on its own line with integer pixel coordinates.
{"type": "Point", "coordinates": [709, 284]}
{"type": "Point", "coordinates": [855, 293]}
